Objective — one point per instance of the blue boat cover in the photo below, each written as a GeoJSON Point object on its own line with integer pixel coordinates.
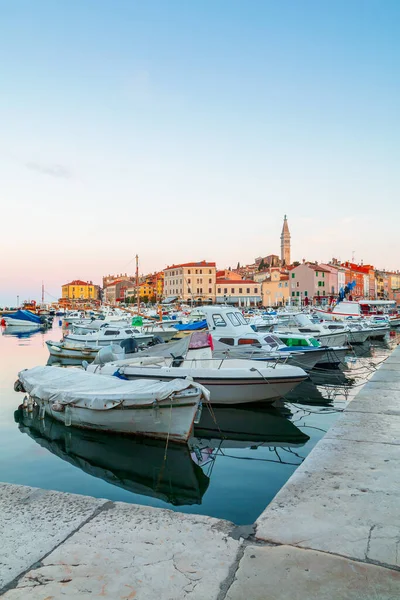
{"type": "Point", "coordinates": [25, 315]}
{"type": "Point", "coordinates": [191, 326]}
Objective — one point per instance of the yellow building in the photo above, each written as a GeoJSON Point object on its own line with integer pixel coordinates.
{"type": "Point", "coordinates": [80, 290]}
{"type": "Point", "coordinates": [275, 291]}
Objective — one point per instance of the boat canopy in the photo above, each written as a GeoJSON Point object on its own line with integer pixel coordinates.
{"type": "Point", "coordinates": [25, 315]}
{"type": "Point", "coordinates": [88, 390]}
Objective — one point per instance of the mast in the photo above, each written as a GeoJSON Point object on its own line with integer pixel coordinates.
{"type": "Point", "coordinates": [42, 292]}
{"type": "Point", "coordinates": [137, 283]}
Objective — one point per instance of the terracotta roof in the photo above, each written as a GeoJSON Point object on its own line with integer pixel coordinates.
{"type": "Point", "coordinates": [284, 277]}
{"type": "Point", "coordinates": [223, 281]}
{"type": "Point", "coordinates": [316, 267]}
{"type": "Point", "coordinates": [192, 264]}
{"type": "Point", "coordinates": [78, 282]}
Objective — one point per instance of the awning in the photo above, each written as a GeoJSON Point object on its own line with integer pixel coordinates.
{"type": "Point", "coordinates": [236, 299]}
{"type": "Point", "coordinates": [169, 300]}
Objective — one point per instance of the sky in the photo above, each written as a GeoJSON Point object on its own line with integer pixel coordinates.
{"type": "Point", "coordinates": [185, 130]}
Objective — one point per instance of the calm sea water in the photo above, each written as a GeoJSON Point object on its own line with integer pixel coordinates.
{"type": "Point", "coordinates": [232, 470]}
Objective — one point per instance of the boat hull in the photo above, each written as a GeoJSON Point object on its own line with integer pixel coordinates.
{"type": "Point", "coordinates": [230, 390]}
{"type": "Point", "coordinates": [178, 414]}
{"type": "Point", "coordinates": [82, 352]}
{"type": "Point", "coordinates": [20, 322]}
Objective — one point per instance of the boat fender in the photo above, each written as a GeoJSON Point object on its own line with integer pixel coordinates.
{"type": "Point", "coordinates": [57, 407]}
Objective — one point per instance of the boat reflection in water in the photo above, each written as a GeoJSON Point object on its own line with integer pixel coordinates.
{"type": "Point", "coordinates": [134, 464]}
{"type": "Point", "coordinates": [176, 475]}
{"type": "Point", "coordinates": [20, 331]}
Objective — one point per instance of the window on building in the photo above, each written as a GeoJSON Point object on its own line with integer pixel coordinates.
{"type": "Point", "coordinates": [188, 280]}
{"type": "Point", "coordinates": [201, 290]}
{"type": "Point", "coordinates": [293, 275]}
{"type": "Point", "coordinates": [297, 293]}
{"type": "Point", "coordinates": [210, 280]}
{"type": "Point", "coordinates": [188, 271]}
{"type": "Point", "coordinates": [209, 270]}
{"type": "Point", "coordinates": [240, 290]}
{"type": "Point", "coordinates": [196, 271]}
{"type": "Point", "coordinates": [306, 293]}
{"type": "Point", "coordinates": [210, 290]}
{"type": "Point", "coordinates": [293, 293]}
{"type": "Point", "coordinates": [248, 291]}
{"type": "Point", "coordinates": [297, 284]}
{"type": "Point", "coordinates": [225, 290]}
{"type": "Point", "coordinates": [316, 273]}
{"type": "Point", "coordinates": [219, 290]}
{"type": "Point", "coordinates": [189, 291]}
{"type": "Point", "coordinates": [323, 274]}
{"type": "Point", "coordinates": [286, 283]}
{"type": "Point", "coordinates": [232, 290]}
{"type": "Point", "coordinates": [256, 290]}
{"type": "Point", "coordinates": [201, 271]}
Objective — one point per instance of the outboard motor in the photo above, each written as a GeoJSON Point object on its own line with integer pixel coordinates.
{"type": "Point", "coordinates": [156, 340]}
{"type": "Point", "coordinates": [129, 345]}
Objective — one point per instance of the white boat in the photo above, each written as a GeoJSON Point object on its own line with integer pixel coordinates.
{"type": "Point", "coordinates": [23, 318]}
{"type": "Point", "coordinates": [77, 398]}
{"type": "Point", "coordinates": [361, 308]}
{"type": "Point", "coordinates": [230, 381]}
{"type": "Point", "coordinates": [109, 334]}
{"type": "Point", "coordinates": [72, 350]}
{"type": "Point", "coordinates": [300, 323]}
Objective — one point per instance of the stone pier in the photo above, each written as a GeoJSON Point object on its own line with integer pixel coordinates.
{"type": "Point", "coordinates": [331, 533]}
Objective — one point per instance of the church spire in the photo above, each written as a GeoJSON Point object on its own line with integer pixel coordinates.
{"type": "Point", "coordinates": [285, 243]}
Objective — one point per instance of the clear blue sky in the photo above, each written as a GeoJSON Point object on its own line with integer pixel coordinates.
{"type": "Point", "coordinates": [184, 130]}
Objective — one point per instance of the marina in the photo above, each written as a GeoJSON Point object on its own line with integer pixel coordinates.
{"type": "Point", "coordinates": [259, 445]}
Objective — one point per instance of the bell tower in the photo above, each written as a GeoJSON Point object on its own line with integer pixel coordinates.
{"type": "Point", "coordinates": [285, 243]}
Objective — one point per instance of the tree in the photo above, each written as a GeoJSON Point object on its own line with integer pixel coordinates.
{"type": "Point", "coordinates": [261, 266]}
{"type": "Point", "coordinates": [296, 263]}
{"type": "Point", "coordinates": [238, 265]}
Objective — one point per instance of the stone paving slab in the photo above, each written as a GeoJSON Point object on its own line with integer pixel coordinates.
{"type": "Point", "coordinates": [287, 573]}
{"type": "Point", "coordinates": [334, 502]}
{"type": "Point", "coordinates": [33, 522]}
{"type": "Point", "coordinates": [375, 401]}
{"type": "Point", "coordinates": [364, 427]}
{"type": "Point", "coordinates": [375, 385]}
{"type": "Point", "coordinates": [133, 552]}
{"type": "Point", "coordinates": [387, 375]}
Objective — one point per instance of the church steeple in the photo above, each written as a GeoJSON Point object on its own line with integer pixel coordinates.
{"type": "Point", "coordinates": [285, 243]}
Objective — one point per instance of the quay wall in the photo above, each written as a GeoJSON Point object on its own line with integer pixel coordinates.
{"type": "Point", "coordinates": [332, 531]}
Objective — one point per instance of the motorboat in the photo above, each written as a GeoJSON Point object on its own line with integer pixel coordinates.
{"type": "Point", "coordinates": [301, 323]}
{"type": "Point", "coordinates": [229, 327]}
{"type": "Point", "coordinates": [65, 349]}
{"type": "Point", "coordinates": [138, 465]}
{"type": "Point", "coordinates": [23, 318]}
{"type": "Point", "coordinates": [329, 356]}
{"type": "Point", "coordinates": [230, 381]}
{"type": "Point", "coordinates": [361, 308]}
{"type": "Point", "coordinates": [150, 408]}
{"type": "Point", "coordinates": [109, 334]}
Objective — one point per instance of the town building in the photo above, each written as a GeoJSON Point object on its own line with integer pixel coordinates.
{"type": "Point", "coordinates": [240, 292]}
{"type": "Point", "coordinates": [107, 279]}
{"type": "Point", "coordinates": [80, 290]}
{"type": "Point", "coordinates": [311, 283]}
{"type": "Point", "coordinates": [275, 288]}
{"type": "Point", "coordinates": [191, 282]}
{"type": "Point", "coordinates": [116, 291]}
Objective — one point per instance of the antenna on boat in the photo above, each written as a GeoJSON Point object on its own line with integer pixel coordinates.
{"type": "Point", "coordinates": [137, 283]}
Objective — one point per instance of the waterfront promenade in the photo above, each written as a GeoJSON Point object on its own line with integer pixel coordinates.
{"type": "Point", "coordinates": [331, 533]}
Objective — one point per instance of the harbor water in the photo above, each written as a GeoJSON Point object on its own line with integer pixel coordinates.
{"type": "Point", "coordinates": [237, 460]}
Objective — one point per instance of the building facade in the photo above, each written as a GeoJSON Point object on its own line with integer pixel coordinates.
{"type": "Point", "coordinates": [80, 290]}
{"type": "Point", "coordinates": [275, 289]}
{"type": "Point", "coordinates": [239, 292]}
{"type": "Point", "coordinates": [191, 282]}
{"type": "Point", "coordinates": [311, 283]}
